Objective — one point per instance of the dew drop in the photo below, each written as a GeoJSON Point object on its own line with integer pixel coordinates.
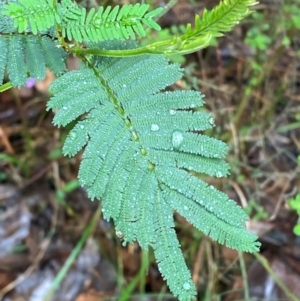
{"type": "Point", "coordinates": [211, 120]}
{"type": "Point", "coordinates": [177, 139]}
{"type": "Point", "coordinates": [124, 85]}
{"type": "Point", "coordinates": [154, 127]}
{"type": "Point", "coordinates": [73, 135]}
{"type": "Point", "coordinates": [185, 207]}
{"type": "Point", "coordinates": [119, 234]}
{"type": "Point", "coordinates": [65, 108]}
{"type": "Point", "coordinates": [172, 112]}
{"type": "Point", "coordinates": [219, 174]}
{"type": "Point", "coordinates": [186, 286]}
{"type": "Point", "coordinates": [82, 126]}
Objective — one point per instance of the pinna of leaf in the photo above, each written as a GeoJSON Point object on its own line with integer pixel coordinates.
{"type": "Point", "coordinates": [144, 149]}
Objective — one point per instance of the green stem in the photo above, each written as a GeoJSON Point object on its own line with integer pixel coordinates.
{"type": "Point", "coordinates": [140, 277]}
{"type": "Point", "coordinates": [263, 261]}
{"type": "Point", "coordinates": [70, 260]}
{"type": "Point", "coordinates": [5, 87]}
{"type": "Point", "coordinates": [167, 47]}
{"type": "Point", "coordinates": [116, 53]}
{"type": "Point", "coordinates": [166, 9]}
{"type": "Point", "coordinates": [54, 2]}
{"type": "Point", "coordinates": [244, 275]}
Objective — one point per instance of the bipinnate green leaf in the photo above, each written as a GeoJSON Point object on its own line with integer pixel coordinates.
{"type": "Point", "coordinates": [39, 15]}
{"type": "Point", "coordinates": [28, 56]}
{"type": "Point", "coordinates": [119, 22]}
{"type": "Point", "coordinates": [6, 23]}
{"type": "Point", "coordinates": [168, 254]}
{"type": "Point", "coordinates": [220, 19]}
{"type": "Point", "coordinates": [16, 66]}
{"type": "Point", "coordinates": [209, 25]}
{"type": "Point", "coordinates": [74, 22]}
{"type": "Point", "coordinates": [144, 152]}
{"type": "Point", "coordinates": [3, 57]}
{"type": "Point", "coordinates": [214, 23]}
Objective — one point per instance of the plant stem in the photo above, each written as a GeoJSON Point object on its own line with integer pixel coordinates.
{"type": "Point", "coordinates": [263, 261]}
{"type": "Point", "coordinates": [244, 275]}
{"type": "Point", "coordinates": [116, 53]}
{"type": "Point", "coordinates": [5, 87]}
{"type": "Point", "coordinates": [68, 263]}
{"type": "Point", "coordinates": [166, 8]}
{"type": "Point", "coordinates": [168, 47]}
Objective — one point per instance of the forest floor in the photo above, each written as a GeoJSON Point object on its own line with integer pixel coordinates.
{"type": "Point", "coordinates": [251, 80]}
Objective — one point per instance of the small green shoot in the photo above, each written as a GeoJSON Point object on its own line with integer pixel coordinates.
{"type": "Point", "coordinates": [294, 204]}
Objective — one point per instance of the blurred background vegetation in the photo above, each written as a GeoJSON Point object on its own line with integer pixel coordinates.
{"type": "Point", "coordinates": [54, 245]}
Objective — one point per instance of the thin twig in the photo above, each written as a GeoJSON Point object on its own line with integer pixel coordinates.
{"type": "Point", "coordinates": [5, 87]}
{"type": "Point", "coordinates": [5, 141]}
{"type": "Point", "coordinates": [244, 275]}
{"type": "Point", "coordinates": [70, 260]}
{"type": "Point", "coordinates": [28, 271]}
{"type": "Point", "coordinates": [263, 261]}
{"type": "Point", "coordinates": [166, 9]}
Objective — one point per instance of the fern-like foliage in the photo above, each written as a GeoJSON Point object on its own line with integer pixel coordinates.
{"type": "Point", "coordinates": [220, 19]}
{"type": "Point", "coordinates": [6, 23]}
{"type": "Point", "coordinates": [28, 56]}
{"type": "Point", "coordinates": [143, 155]}
{"type": "Point", "coordinates": [25, 56]}
{"type": "Point", "coordinates": [39, 15]}
{"type": "Point", "coordinates": [211, 24]}
{"type": "Point", "coordinates": [75, 23]}
{"type": "Point", "coordinates": [214, 23]}
{"type": "Point", "coordinates": [145, 151]}
{"type": "Point", "coordinates": [106, 24]}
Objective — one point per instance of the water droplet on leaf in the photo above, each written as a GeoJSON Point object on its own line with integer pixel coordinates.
{"type": "Point", "coordinates": [154, 127]}
{"type": "Point", "coordinates": [186, 286]}
{"type": "Point", "coordinates": [219, 174]}
{"type": "Point", "coordinates": [119, 234]}
{"type": "Point", "coordinates": [211, 120]}
{"type": "Point", "coordinates": [73, 135]}
{"type": "Point", "coordinates": [65, 108]}
{"type": "Point", "coordinates": [185, 207]}
{"type": "Point", "coordinates": [177, 139]}
{"type": "Point", "coordinates": [172, 112]}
